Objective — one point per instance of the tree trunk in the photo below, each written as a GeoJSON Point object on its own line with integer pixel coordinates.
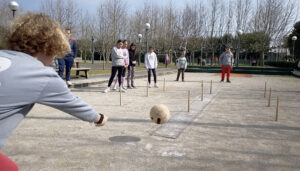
{"type": "Point", "coordinates": [261, 59]}
{"type": "Point", "coordinates": [212, 56]}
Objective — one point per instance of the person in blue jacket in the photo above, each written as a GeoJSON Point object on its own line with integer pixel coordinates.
{"type": "Point", "coordinates": [68, 60]}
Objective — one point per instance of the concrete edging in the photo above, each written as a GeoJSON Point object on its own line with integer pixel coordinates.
{"type": "Point", "coordinates": [86, 84]}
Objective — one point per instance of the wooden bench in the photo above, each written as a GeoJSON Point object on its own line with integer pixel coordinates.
{"type": "Point", "coordinates": [78, 69]}
{"type": "Point", "coordinates": [85, 70]}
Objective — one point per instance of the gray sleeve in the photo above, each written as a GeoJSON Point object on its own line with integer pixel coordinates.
{"type": "Point", "coordinates": [115, 54]}
{"type": "Point", "coordinates": [57, 95]}
{"type": "Point", "coordinates": [221, 58]}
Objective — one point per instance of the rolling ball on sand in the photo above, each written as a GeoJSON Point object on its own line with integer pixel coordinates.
{"type": "Point", "coordinates": [160, 114]}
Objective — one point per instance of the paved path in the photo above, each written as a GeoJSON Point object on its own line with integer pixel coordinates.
{"type": "Point", "coordinates": [235, 131]}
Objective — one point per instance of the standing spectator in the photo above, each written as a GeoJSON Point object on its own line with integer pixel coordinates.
{"type": "Point", "coordinates": [68, 60]}
{"type": "Point", "coordinates": [33, 40]}
{"type": "Point", "coordinates": [203, 62]}
{"type": "Point", "coordinates": [216, 60]}
{"type": "Point", "coordinates": [117, 65]}
{"type": "Point", "coordinates": [167, 60]}
{"type": "Point", "coordinates": [151, 65]}
{"type": "Point", "coordinates": [181, 65]}
{"type": "Point", "coordinates": [126, 64]}
{"type": "Point", "coordinates": [131, 68]}
{"type": "Point", "coordinates": [253, 62]}
{"type": "Point", "coordinates": [227, 61]}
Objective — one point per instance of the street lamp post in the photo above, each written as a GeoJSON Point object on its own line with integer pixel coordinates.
{"type": "Point", "coordinates": [239, 33]}
{"type": "Point", "coordinates": [147, 26]}
{"type": "Point", "coordinates": [93, 57]}
{"type": "Point", "coordinates": [294, 38]}
{"type": "Point", "coordinates": [14, 6]}
{"type": "Point", "coordinates": [140, 38]}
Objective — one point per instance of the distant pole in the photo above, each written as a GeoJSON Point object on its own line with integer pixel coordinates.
{"type": "Point", "coordinates": [277, 109]}
{"type": "Point", "coordinates": [239, 33]}
{"type": "Point", "coordinates": [210, 86]}
{"type": "Point", "coordinates": [202, 91]}
{"type": "Point", "coordinates": [147, 26]}
{"type": "Point", "coordinates": [164, 85]}
{"type": "Point", "coordinates": [93, 50]}
{"type": "Point", "coordinates": [265, 90]}
{"type": "Point", "coordinates": [147, 89]}
{"type": "Point", "coordinates": [294, 38]}
{"type": "Point", "coordinates": [189, 100]}
{"type": "Point", "coordinates": [270, 95]}
{"type": "Point", "coordinates": [120, 97]}
{"type": "Point", "coordinates": [140, 37]}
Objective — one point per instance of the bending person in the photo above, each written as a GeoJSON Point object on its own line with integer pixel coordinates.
{"type": "Point", "coordinates": [25, 78]}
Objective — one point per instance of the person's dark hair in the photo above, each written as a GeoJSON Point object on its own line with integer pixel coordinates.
{"type": "Point", "coordinates": [132, 44]}
{"type": "Point", "coordinates": [124, 41]}
{"type": "Point", "coordinates": [228, 46]}
{"type": "Point", "coordinates": [119, 41]}
{"type": "Point", "coordinates": [68, 29]}
{"type": "Point", "coordinates": [151, 47]}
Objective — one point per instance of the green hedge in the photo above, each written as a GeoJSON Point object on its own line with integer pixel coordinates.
{"type": "Point", "coordinates": [283, 64]}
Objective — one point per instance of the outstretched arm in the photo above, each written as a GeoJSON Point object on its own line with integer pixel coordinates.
{"type": "Point", "coordinates": [57, 95]}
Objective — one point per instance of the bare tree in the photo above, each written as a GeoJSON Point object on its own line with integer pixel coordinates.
{"type": "Point", "coordinates": [213, 22]}
{"type": "Point", "coordinates": [111, 24]}
{"type": "Point", "coordinates": [242, 14]}
{"type": "Point", "coordinates": [65, 12]}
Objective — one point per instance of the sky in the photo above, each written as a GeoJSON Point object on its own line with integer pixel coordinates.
{"type": "Point", "coordinates": [92, 5]}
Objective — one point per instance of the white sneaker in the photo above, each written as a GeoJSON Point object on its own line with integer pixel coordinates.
{"type": "Point", "coordinates": [107, 90]}
{"type": "Point", "coordinates": [115, 87]}
{"type": "Point", "coordinates": [69, 83]}
{"type": "Point", "coordinates": [155, 85]}
{"type": "Point", "coordinates": [122, 89]}
{"type": "Point", "coordinates": [149, 85]}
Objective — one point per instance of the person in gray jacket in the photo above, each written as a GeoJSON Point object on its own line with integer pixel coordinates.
{"type": "Point", "coordinates": [181, 65]}
{"type": "Point", "coordinates": [118, 63]}
{"type": "Point", "coordinates": [227, 61]}
{"type": "Point", "coordinates": [26, 78]}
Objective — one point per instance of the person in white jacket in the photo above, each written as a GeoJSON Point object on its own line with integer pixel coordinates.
{"type": "Point", "coordinates": [151, 65]}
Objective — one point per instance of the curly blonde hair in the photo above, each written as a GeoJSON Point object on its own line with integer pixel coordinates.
{"type": "Point", "coordinates": [37, 33]}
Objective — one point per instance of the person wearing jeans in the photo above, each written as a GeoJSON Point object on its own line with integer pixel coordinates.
{"type": "Point", "coordinates": [117, 65]}
{"type": "Point", "coordinates": [151, 65]}
{"type": "Point", "coordinates": [68, 60]}
{"type": "Point", "coordinates": [227, 61]}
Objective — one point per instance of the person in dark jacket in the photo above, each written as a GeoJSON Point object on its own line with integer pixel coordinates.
{"type": "Point", "coordinates": [68, 60]}
{"type": "Point", "coordinates": [131, 68]}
